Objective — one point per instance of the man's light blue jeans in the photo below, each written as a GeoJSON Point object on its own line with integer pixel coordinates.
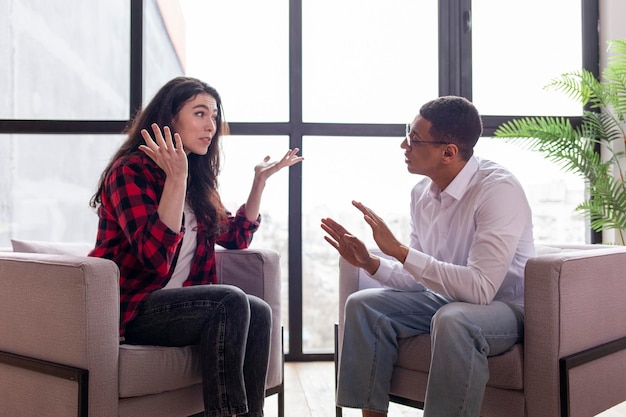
{"type": "Point", "coordinates": [463, 335]}
{"type": "Point", "coordinates": [216, 317]}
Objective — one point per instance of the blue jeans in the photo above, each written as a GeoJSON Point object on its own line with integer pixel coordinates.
{"type": "Point", "coordinates": [463, 335]}
{"type": "Point", "coordinates": [216, 317]}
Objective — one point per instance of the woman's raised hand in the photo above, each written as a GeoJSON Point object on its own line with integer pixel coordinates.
{"type": "Point", "coordinates": [265, 169]}
{"type": "Point", "coordinates": [262, 172]}
{"type": "Point", "coordinates": [169, 156]}
{"type": "Point", "coordinates": [173, 160]}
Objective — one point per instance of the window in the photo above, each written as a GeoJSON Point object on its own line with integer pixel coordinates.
{"type": "Point", "coordinates": [366, 61]}
{"type": "Point", "coordinates": [47, 182]}
{"type": "Point", "coordinates": [242, 49]}
{"type": "Point", "coordinates": [336, 171]}
{"type": "Point", "coordinates": [337, 79]}
{"type": "Point", "coordinates": [511, 64]}
{"type": "Point", "coordinates": [240, 155]}
{"type": "Point", "coordinates": [61, 66]}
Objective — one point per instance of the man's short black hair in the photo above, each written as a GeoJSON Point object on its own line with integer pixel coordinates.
{"type": "Point", "coordinates": [454, 119]}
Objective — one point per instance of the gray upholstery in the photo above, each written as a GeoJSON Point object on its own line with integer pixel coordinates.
{"type": "Point", "coordinates": [574, 300]}
{"type": "Point", "coordinates": [65, 309]}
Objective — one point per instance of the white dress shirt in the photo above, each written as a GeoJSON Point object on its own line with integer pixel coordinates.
{"type": "Point", "coordinates": [469, 242]}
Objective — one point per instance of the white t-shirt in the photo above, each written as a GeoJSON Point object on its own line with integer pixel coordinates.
{"type": "Point", "coordinates": [187, 250]}
{"type": "Point", "coordinates": [469, 242]}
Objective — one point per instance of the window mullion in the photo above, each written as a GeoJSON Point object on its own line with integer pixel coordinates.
{"type": "Point", "coordinates": [455, 48]}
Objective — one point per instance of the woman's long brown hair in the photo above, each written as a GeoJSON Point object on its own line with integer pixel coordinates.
{"type": "Point", "coordinates": [202, 186]}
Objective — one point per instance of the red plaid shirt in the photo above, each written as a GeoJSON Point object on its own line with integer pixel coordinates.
{"type": "Point", "coordinates": [131, 234]}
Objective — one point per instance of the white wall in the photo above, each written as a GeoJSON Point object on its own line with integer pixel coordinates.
{"type": "Point", "coordinates": [612, 15]}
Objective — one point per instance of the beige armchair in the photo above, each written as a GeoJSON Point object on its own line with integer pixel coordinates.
{"type": "Point", "coordinates": [59, 349]}
{"type": "Point", "coordinates": [573, 359]}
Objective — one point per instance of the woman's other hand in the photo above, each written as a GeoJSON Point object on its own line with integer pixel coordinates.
{"type": "Point", "coordinates": [262, 172]}
{"type": "Point", "coordinates": [266, 169]}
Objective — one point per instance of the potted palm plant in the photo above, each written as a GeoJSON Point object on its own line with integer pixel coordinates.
{"type": "Point", "coordinates": [576, 148]}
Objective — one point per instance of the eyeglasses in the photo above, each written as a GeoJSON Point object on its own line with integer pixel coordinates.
{"type": "Point", "coordinates": [410, 142]}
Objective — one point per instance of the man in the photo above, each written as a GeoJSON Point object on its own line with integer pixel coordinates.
{"type": "Point", "coordinates": [461, 278]}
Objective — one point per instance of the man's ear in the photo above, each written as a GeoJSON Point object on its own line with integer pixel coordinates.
{"type": "Point", "coordinates": [450, 152]}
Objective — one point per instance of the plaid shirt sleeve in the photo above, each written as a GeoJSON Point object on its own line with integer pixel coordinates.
{"type": "Point", "coordinates": [134, 191]}
{"type": "Point", "coordinates": [239, 230]}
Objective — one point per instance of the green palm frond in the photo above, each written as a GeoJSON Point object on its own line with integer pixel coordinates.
{"type": "Point", "coordinates": [575, 149]}
{"type": "Point", "coordinates": [601, 128]}
{"type": "Point", "coordinates": [581, 86]}
{"type": "Point", "coordinates": [619, 47]}
{"type": "Point", "coordinates": [615, 76]}
{"type": "Point", "coordinates": [558, 141]}
{"type": "Point", "coordinates": [605, 206]}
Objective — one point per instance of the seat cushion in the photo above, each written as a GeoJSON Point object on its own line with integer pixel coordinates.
{"type": "Point", "coordinates": [147, 370]}
{"type": "Point", "coordinates": [505, 370]}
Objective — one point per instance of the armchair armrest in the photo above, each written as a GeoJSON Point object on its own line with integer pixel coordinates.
{"type": "Point", "coordinates": [574, 301]}
{"type": "Point", "coordinates": [64, 310]}
{"type": "Point", "coordinates": [257, 272]}
{"type": "Point", "coordinates": [351, 280]}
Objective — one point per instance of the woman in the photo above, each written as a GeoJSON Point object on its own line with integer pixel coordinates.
{"type": "Point", "coordinates": [160, 216]}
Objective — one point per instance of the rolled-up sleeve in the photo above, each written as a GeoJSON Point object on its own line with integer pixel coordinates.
{"type": "Point", "coordinates": [239, 230]}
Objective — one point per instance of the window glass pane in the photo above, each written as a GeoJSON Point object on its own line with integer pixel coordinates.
{"type": "Point", "coordinates": [367, 61]}
{"type": "Point", "coordinates": [64, 60]}
{"type": "Point", "coordinates": [164, 45]}
{"type": "Point", "coordinates": [241, 48]}
{"type": "Point", "coordinates": [552, 194]}
{"type": "Point", "coordinates": [46, 182]}
{"type": "Point", "coordinates": [240, 155]}
{"type": "Point", "coordinates": [516, 51]}
{"type": "Point", "coordinates": [336, 171]}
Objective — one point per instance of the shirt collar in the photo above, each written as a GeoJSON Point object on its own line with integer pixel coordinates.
{"type": "Point", "coordinates": [460, 183]}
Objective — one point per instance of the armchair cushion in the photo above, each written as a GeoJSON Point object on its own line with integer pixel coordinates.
{"type": "Point", "coordinates": [141, 369]}
{"type": "Point", "coordinates": [507, 369]}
